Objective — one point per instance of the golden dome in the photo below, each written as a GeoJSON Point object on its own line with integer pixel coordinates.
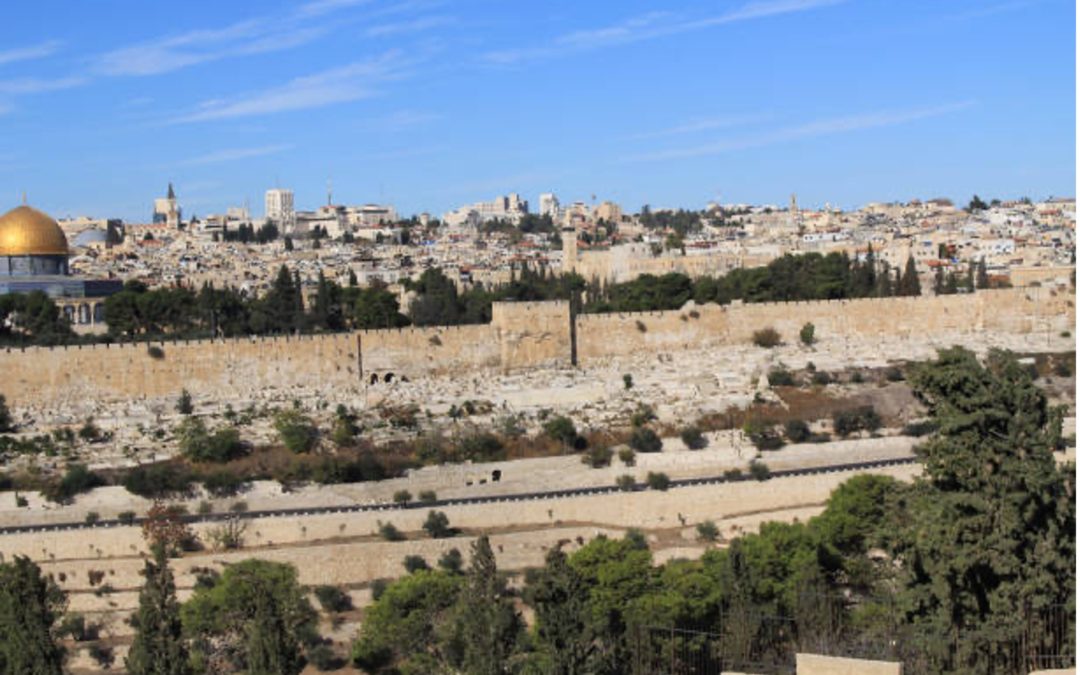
{"type": "Point", "coordinates": [27, 231]}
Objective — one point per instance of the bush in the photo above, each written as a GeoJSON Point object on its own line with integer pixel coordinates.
{"type": "Point", "coordinates": [627, 456]}
{"type": "Point", "coordinates": [324, 659]}
{"type": "Point", "coordinates": [561, 429]}
{"type": "Point", "coordinates": [126, 517]}
{"type": "Point", "coordinates": [806, 334]}
{"type": "Point", "coordinates": [452, 561]}
{"type": "Point", "coordinates": [227, 535]}
{"type": "Point", "coordinates": [597, 457]}
{"type": "Point", "coordinates": [1063, 368]}
{"type": "Point", "coordinates": [390, 533]}
{"type": "Point", "coordinates": [894, 374]}
{"type": "Point", "coordinates": [920, 428]}
{"type": "Point", "coordinates": [76, 480]}
{"type": "Point", "coordinates": [438, 525]}
{"type": "Point", "coordinates": [642, 416]}
{"type": "Point", "coordinates": [7, 423]}
{"type": "Point", "coordinates": [414, 563]}
{"type": "Point", "coordinates": [222, 483]}
{"type": "Point", "coordinates": [378, 587]}
{"type": "Point", "coordinates": [733, 474]}
{"type": "Point", "coordinates": [821, 378]}
{"type": "Point", "coordinates": [797, 431]}
{"type": "Point", "coordinates": [102, 654]}
{"type": "Point", "coordinates": [780, 377]}
{"type": "Point", "coordinates": [766, 337]}
{"type": "Point", "coordinates": [625, 482]}
{"type": "Point", "coordinates": [89, 431]}
{"type": "Point", "coordinates": [402, 497]}
{"type": "Point", "coordinates": [658, 481]}
{"type": "Point", "coordinates": [92, 517]}
{"type": "Point", "coordinates": [864, 418]}
{"type": "Point", "coordinates": [238, 507]}
{"type": "Point", "coordinates": [857, 377]}
{"type": "Point", "coordinates": [762, 435]}
{"type": "Point", "coordinates": [693, 439]}
{"type": "Point", "coordinates": [759, 471]}
{"type": "Point", "coordinates": [708, 531]}
{"type": "Point", "coordinates": [184, 406]}
{"type": "Point", "coordinates": [481, 447]}
{"type": "Point", "coordinates": [628, 381]}
{"type": "Point", "coordinates": [428, 497]}
{"type": "Point", "coordinates": [296, 431]}
{"type": "Point", "coordinates": [645, 440]}
{"type": "Point", "coordinates": [158, 480]}
{"type": "Point", "coordinates": [333, 599]}
{"type": "Point", "coordinates": [198, 445]}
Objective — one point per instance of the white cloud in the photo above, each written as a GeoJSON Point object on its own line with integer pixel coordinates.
{"type": "Point", "coordinates": [338, 85]}
{"type": "Point", "coordinates": [836, 125]}
{"type": "Point", "coordinates": [27, 53]}
{"type": "Point", "coordinates": [701, 124]}
{"type": "Point", "coordinates": [233, 154]}
{"type": "Point", "coordinates": [402, 27]}
{"type": "Point", "coordinates": [650, 26]}
{"type": "Point", "coordinates": [34, 85]}
{"type": "Point", "coordinates": [320, 7]}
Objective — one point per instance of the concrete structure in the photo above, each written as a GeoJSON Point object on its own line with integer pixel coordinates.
{"type": "Point", "coordinates": [510, 207]}
{"type": "Point", "coordinates": [280, 208]}
{"type": "Point", "coordinates": [816, 664]}
{"type": "Point", "coordinates": [549, 205]}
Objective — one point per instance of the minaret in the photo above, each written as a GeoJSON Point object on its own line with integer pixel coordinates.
{"type": "Point", "coordinates": [569, 249]}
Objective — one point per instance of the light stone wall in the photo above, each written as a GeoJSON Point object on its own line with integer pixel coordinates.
{"type": "Point", "coordinates": [521, 336]}
{"type": "Point", "coordinates": [816, 664]}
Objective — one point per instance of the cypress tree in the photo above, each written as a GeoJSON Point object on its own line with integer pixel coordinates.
{"type": "Point", "coordinates": [489, 624]}
{"type": "Point", "coordinates": [909, 282]}
{"type": "Point", "coordinates": [561, 597]}
{"type": "Point", "coordinates": [271, 650]}
{"type": "Point", "coordinates": [30, 604]}
{"type": "Point", "coordinates": [982, 279]}
{"type": "Point", "coordinates": [159, 647]}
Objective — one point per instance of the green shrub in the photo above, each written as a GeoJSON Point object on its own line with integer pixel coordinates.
{"type": "Point", "coordinates": [324, 659]}
{"type": "Point", "coordinates": [428, 496]}
{"type": "Point", "coordinates": [821, 378]}
{"type": "Point", "coordinates": [1063, 368]}
{"type": "Point", "coordinates": [708, 531]}
{"type": "Point", "coordinates": [561, 429]}
{"type": "Point", "coordinates": [452, 561]}
{"type": "Point", "coordinates": [857, 377]}
{"type": "Point", "coordinates": [76, 480]}
{"type": "Point", "coordinates": [759, 471]}
{"type": "Point", "coordinates": [642, 416]}
{"type": "Point", "coordinates": [864, 418]}
{"type": "Point", "coordinates": [402, 497]}
{"type": "Point", "coordinates": [437, 525]}
{"type": "Point", "coordinates": [158, 480]}
{"type": "Point", "coordinates": [763, 436]}
{"type": "Point", "coordinates": [481, 447]}
{"type": "Point", "coordinates": [625, 482]}
{"type": "Point", "coordinates": [644, 439]}
{"type": "Point", "coordinates": [333, 599]}
{"type": "Point", "coordinates": [296, 431]}
{"type": "Point", "coordinates": [780, 377]}
{"type": "Point", "coordinates": [693, 439]}
{"type": "Point", "coordinates": [766, 337]}
{"type": "Point", "coordinates": [733, 474]}
{"type": "Point", "coordinates": [894, 374]}
{"type": "Point", "coordinates": [598, 456]}
{"type": "Point", "coordinates": [628, 381]}
{"type": "Point", "coordinates": [806, 334]}
{"type": "Point", "coordinates": [919, 428]}
{"type": "Point", "coordinates": [658, 481]}
{"type": "Point", "coordinates": [378, 587]}
{"type": "Point", "coordinates": [184, 406]}
{"type": "Point", "coordinates": [627, 456]}
{"type": "Point", "coordinates": [797, 431]}
{"type": "Point", "coordinates": [390, 533]}
{"type": "Point", "coordinates": [92, 517]}
{"type": "Point", "coordinates": [414, 563]}
{"type": "Point", "coordinates": [126, 517]}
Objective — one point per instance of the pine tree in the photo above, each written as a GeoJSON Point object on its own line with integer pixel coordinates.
{"type": "Point", "coordinates": [30, 605]}
{"type": "Point", "coordinates": [352, 279]}
{"type": "Point", "coordinates": [490, 626]}
{"type": "Point", "coordinates": [561, 598]}
{"type": "Point", "coordinates": [992, 538]}
{"type": "Point", "coordinates": [271, 650]}
{"type": "Point", "coordinates": [158, 647]}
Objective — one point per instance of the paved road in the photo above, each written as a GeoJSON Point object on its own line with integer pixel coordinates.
{"type": "Point", "coordinates": [526, 496]}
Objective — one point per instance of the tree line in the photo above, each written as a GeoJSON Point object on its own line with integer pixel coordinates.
{"type": "Point", "coordinates": [962, 570]}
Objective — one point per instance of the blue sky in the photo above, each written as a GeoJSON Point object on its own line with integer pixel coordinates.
{"type": "Point", "coordinates": [429, 104]}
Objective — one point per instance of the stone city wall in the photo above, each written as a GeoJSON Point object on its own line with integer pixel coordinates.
{"type": "Point", "coordinates": [1016, 310]}
{"type": "Point", "coordinates": [521, 335]}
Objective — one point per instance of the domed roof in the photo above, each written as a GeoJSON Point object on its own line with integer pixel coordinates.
{"type": "Point", "coordinates": [27, 231]}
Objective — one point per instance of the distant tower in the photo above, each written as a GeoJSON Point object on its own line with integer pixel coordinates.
{"type": "Point", "coordinates": [569, 249]}
{"type": "Point", "coordinates": [280, 208]}
{"type": "Point", "coordinates": [793, 213]}
{"type": "Point", "coordinates": [167, 210]}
